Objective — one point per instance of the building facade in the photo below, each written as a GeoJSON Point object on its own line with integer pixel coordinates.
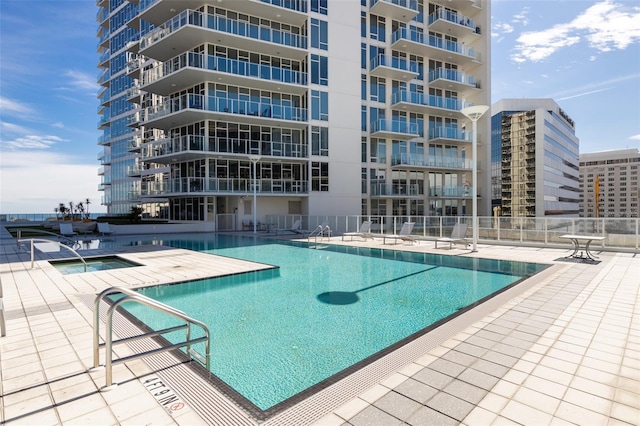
{"type": "Point", "coordinates": [534, 159]}
{"type": "Point", "coordinates": [613, 176]}
{"type": "Point", "coordinates": [320, 107]}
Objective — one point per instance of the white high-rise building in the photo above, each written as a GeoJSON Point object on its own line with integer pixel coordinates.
{"type": "Point", "coordinates": [616, 174]}
{"type": "Point", "coordinates": [340, 107]}
{"type": "Point", "coordinates": [534, 159]}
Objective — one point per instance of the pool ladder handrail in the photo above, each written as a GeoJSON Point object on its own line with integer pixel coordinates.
{"type": "Point", "coordinates": [45, 240]}
{"type": "Point", "coordinates": [320, 231]}
{"type": "Point", "coordinates": [132, 296]}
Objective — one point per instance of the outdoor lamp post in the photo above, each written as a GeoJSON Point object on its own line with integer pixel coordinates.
{"type": "Point", "coordinates": [254, 159]}
{"type": "Point", "coordinates": [474, 113]}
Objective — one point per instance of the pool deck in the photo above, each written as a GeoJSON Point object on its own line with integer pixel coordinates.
{"type": "Point", "coordinates": [562, 347]}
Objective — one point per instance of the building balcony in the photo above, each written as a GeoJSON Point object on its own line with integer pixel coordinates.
{"type": "Point", "coordinates": [383, 189]}
{"type": "Point", "coordinates": [412, 161]}
{"type": "Point", "coordinates": [104, 159]}
{"type": "Point", "coordinates": [449, 135]}
{"type": "Point", "coordinates": [190, 147]}
{"type": "Point", "coordinates": [415, 42]}
{"type": "Point", "coordinates": [293, 12]}
{"type": "Point", "coordinates": [134, 94]}
{"type": "Point", "coordinates": [398, 10]}
{"type": "Point", "coordinates": [183, 70]}
{"type": "Point", "coordinates": [452, 23]}
{"type": "Point", "coordinates": [103, 62]}
{"type": "Point", "coordinates": [451, 191]}
{"type": "Point", "coordinates": [135, 144]}
{"type": "Point", "coordinates": [190, 108]}
{"type": "Point", "coordinates": [426, 104]}
{"type": "Point", "coordinates": [224, 186]}
{"type": "Point", "coordinates": [104, 77]}
{"type": "Point", "coordinates": [448, 79]}
{"type": "Point", "coordinates": [467, 7]}
{"type": "Point", "coordinates": [395, 130]}
{"type": "Point", "coordinates": [138, 170]}
{"type": "Point", "coordinates": [394, 68]}
{"type": "Point", "coordinates": [181, 32]}
{"type": "Point", "coordinates": [133, 66]}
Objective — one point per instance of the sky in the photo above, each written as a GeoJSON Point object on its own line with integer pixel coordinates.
{"type": "Point", "coordinates": [583, 54]}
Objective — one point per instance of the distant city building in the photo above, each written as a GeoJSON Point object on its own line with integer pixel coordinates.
{"type": "Point", "coordinates": [614, 175]}
{"type": "Point", "coordinates": [534, 159]}
{"type": "Point", "coordinates": [320, 107]}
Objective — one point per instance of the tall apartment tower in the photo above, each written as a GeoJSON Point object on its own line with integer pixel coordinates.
{"type": "Point", "coordinates": [321, 107]}
{"type": "Point", "coordinates": [534, 159]}
{"type": "Point", "coordinates": [613, 175]}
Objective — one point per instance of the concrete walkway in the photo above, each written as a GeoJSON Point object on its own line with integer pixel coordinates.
{"type": "Point", "coordinates": [562, 348]}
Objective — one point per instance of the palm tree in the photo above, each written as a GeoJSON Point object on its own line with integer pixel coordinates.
{"type": "Point", "coordinates": [71, 209]}
{"type": "Point", "coordinates": [56, 210]}
{"type": "Point", "coordinates": [86, 203]}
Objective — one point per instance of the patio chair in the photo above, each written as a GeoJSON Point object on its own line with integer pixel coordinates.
{"type": "Point", "coordinates": [363, 232]}
{"type": "Point", "coordinates": [403, 235]}
{"type": "Point", "coordinates": [66, 230]}
{"type": "Point", "coordinates": [457, 236]}
{"type": "Point", "coordinates": [296, 228]}
{"type": "Point", "coordinates": [104, 228]}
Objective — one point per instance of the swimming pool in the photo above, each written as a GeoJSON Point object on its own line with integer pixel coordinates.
{"type": "Point", "coordinates": [278, 333]}
{"type": "Point", "coordinates": [103, 263]}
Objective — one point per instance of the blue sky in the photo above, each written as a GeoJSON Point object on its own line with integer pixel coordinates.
{"type": "Point", "coordinates": [584, 54]}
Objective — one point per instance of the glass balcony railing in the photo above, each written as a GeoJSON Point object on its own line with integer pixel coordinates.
{"type": "Point", "coordinates": [434, 41]}
{"type": "Point", "coordinates": [224, 185]}
{"type": "Point", "coordinates": [428, 100]}
{"type": "Point", "coordinates": [396, 127]}
{"type": "Point", "coordinates": [189, 143]}
{"type": "Point", "coordinates": [226, 25]}
{"type": "Point", "coordinates": [395, 189]}
{"type": "Point", "coordinates": [226, 105]}
{"type": "Point", "coordinates": [393, 62]}
{"type": "Point", "coordinates": [232, 66]}
{"type": "Point", "coordinates": [429, 161]}
{"type": "Point", "coordinates": [452, 75]}
{"type": "Point", "coordinates": [442, 132]}
{"type": "Point", "coordinates": [453, 17]}
{"type": "Point", "coordinates": [450, 191]}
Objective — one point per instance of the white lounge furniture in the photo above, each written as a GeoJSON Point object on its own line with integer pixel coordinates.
{"type": "Point", "coordinates": [363, 232]}
{"type": "Point", "coordinates": [296, 228]}
{"type": "Point", "coordinates": [66, 230]}
{"type": "Point", "coordinates": [403, 235]}
{"type": "Point", "coordinates": [104, 228]}
{"type": "Point", "coordinates": [458, 234]}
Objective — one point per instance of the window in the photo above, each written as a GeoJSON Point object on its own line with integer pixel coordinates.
{"type": "Point", "coordinates": [377, 27]}
{"type": "Point", "coordinates": [319, 34]}
{"type": "Point", "coordinates": [319, 6]}
{"type": "Point", "coordinates": [378, 89]}
{"type": "Point", "coordinates": [319, 141]}
{"type": "Point", "coordinates": [319, 176]}
{"type": "Point", "coordinates": [319, 105]}
{"type": "Point", "coordinates": [319, 70]}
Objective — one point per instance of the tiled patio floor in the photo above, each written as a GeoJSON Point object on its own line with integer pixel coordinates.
{"type": "Point", "coordinates": [562, 348]}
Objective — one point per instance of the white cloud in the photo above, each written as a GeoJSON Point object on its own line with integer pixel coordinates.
{"type": "Point", "coordinates": [13, 107]}
{"type": "Point", "coordinates": [58, 125]}
{"type": "Point", "coordinates": [583, 94]}
{"type": "Point", "coordinates": [501, 28]}
{"type": "Point", "coordinates": [37, 181]}
{"type": "Point", "coordinates": [30, 142]}
{"type": "Point", "coordinates": [635, 137]}
{"type": "Point", "coordinates": [604, 26]}
{"type": "Point", "coordinates": [521, 18]}
{"type": "Point", "coordinates": [81, 81]}
{"type": "Point", "coordinates": [12, 129]}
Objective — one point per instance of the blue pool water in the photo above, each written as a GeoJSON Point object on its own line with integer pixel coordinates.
{"type": "Point", "coordinates": [278, 332]}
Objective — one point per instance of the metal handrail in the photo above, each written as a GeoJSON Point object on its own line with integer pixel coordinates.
{"type": "Point", "coordinates": [132, 296]}
{"type": "Point", "coordinates": [42, 231]}
{"type": "Point", "coordinates": [44, 240]}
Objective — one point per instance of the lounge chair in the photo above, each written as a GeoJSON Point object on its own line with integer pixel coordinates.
{"type": "Point", "coordinates": [296, 228]}
{"type": "Point", "coordinates": [104, 228]}
{"type": "Point", "coordinates": [66, 230]}
{"type": "Point", "coordinates": [457, 236]}
{"type": "Point", "coordinates": [403, 235]}
{"type": "Point", "coordinates": [363, 232]}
